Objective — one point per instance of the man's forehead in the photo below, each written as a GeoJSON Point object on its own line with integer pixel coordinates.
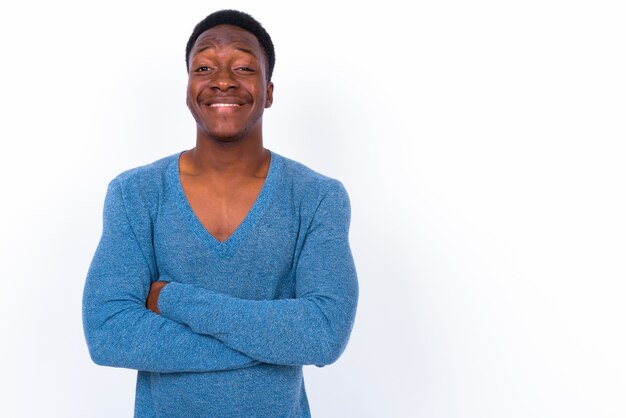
{"type": "Point", "coordinates": [227, 35]}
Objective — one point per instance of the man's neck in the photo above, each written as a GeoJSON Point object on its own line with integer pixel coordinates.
{"type": "Point", "coordinates": [245, 157]}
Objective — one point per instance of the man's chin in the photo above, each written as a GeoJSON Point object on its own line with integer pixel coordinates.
{"type": "Point", "coordinates": [222, 135]}
{"type": "Point", "coordinates": [226, 139]}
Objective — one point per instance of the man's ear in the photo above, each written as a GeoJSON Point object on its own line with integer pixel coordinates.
{"type": "Point", "coordinates": [269, 94]}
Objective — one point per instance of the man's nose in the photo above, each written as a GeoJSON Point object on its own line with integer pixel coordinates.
{"type": "Point", "coordinates": [224, 80]}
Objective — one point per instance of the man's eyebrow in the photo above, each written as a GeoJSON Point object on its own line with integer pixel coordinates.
{"type": "Point", "coordinates": [203, 49]}
{"type": "Point", "coordinates": [238, 48]}
{"type": "Point", "coordinates": [247, 51]}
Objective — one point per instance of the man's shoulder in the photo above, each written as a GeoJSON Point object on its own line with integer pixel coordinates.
{"type": "Point", "coordinates": [311, 190]}
{"type": "Point", "coordinates": [144, 172]}
{"type": "Point", "coordinates": [307, 179]}
{"type": "Point", "coordinates": [143, 187]}
{"type": "Point", "coordinates": [146, 176]}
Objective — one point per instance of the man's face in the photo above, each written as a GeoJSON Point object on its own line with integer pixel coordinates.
{"type": "Point", "coordinates": [227, 89]}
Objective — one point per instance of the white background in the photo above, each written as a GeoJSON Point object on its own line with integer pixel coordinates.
{"type": "Point", "coordinates": [482, 144]}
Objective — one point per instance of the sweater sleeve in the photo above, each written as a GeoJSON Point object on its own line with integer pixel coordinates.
{"type": "Point", "coordinates": [119, 329]}
{"type": "Point", "coordinates": [312, 328]}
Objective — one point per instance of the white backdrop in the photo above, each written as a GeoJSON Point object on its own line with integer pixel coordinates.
{"type": "Point", "coordinates": [482, 144]}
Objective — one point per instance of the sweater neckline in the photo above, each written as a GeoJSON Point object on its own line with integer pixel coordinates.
{"type": "Point", "coordinates": [249, 221]}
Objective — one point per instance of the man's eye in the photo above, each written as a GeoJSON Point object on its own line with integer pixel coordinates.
{"type": "Point", "coordinates": [244, 69]}
{"type": "Point", "coordinates": [201, 69]}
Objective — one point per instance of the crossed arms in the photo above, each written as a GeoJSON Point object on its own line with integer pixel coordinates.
{"type": "Point", "coordinates": [198, 330]}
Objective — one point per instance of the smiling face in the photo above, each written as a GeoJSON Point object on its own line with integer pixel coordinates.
{"type": "Point", "coordinates": [227, 89]}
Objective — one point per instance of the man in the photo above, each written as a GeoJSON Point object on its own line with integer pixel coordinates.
{"type": "Point", "coordinates": [225, 268]}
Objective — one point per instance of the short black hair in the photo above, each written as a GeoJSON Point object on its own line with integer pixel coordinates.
{"type": "Point", "coordinates": [241, 20]}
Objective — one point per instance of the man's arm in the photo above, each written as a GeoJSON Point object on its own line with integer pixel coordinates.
{"type": "Point", "coordinates": [312, 328]}
{"type": "Point", "coordinates": [119, 330]}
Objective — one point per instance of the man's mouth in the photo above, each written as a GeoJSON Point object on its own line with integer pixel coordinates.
{"type": "Point", "coordinates": [224, 105]}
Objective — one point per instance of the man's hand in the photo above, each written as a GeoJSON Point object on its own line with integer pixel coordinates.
{"type": "Point", "coordinates": [152, 302]}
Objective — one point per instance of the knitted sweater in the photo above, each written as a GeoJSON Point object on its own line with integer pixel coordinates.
{"type": "Point", "coordinates": [238, 318]}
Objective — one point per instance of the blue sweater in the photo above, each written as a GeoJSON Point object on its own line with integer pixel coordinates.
{"type": "Point", "coordinates": [238, 318]}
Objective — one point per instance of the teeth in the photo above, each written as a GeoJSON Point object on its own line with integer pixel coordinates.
{"type": "Point", "coordinates": [224, 105]}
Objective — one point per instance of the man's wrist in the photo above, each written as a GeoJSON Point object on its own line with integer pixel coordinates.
{"type": "Point", "coordinates": [152, 302]}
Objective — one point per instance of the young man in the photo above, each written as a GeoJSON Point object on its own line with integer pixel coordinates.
{"type": "Point", "coordinates": [225, 268]}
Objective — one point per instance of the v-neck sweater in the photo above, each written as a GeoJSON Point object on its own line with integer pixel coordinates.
{"type": "Point", "coordinates": [239, 318]}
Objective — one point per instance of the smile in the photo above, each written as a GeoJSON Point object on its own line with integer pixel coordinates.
{"type": "Point", "coordinates": [224, 105]}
